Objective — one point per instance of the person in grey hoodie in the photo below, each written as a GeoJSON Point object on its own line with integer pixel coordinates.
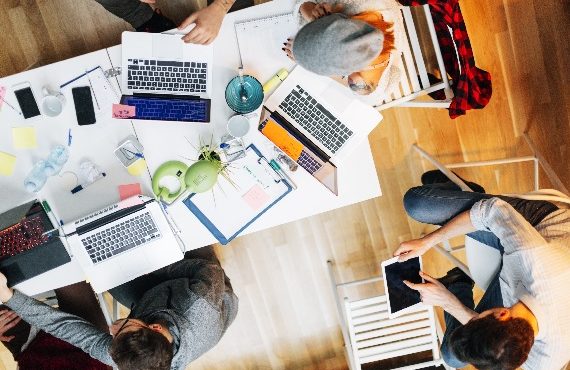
{"type": "Point", "coordinates": [177, 314]}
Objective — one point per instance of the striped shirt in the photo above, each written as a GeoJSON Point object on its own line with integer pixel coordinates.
{"type": "Point", "coordinates": [536, 271]}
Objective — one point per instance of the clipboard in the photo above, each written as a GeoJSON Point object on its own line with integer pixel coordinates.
{"type": "Point", "coordinates": [231, 207]}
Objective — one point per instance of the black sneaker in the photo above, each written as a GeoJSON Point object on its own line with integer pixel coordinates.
{"type": "Point", "coordinates": [437, 177]}
{"type": "Point", "coordinates": [157, 23]}
{"type": "Point", "coordinates": [455, 275]}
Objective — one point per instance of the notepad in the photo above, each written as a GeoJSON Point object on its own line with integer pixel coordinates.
{"type": "Point", "coordinates": [24, 137]}
{"type": "Point", "coordinates": [7, 164]}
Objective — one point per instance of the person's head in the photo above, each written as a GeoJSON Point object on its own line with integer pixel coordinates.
{"type": "Point", "coordinates": [137, 345]}
{"type": "Point", "coordinates": [493, 340]}
{"type": "Point", "coordinates": [336, 45]}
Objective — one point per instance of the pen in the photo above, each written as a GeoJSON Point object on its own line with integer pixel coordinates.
{"type": "Point", "coordinates": [78, 77]}
{"type": "Point", "coordinates": [282, 173]}
{"type": "Point", "coordinates": [69, 137]}
{"type": "Point", "coordinates": [11, 106]}
{"type": "Point", "coordinates": [78, 188]}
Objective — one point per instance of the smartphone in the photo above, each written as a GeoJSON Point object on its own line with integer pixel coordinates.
{"type": "Point", "coordinates": [26, 100]}
{"type": "Point", "coordinates": [83, 105]}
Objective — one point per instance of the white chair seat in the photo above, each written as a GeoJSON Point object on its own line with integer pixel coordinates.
{"type": "Point", "coordinates": [484, 262]}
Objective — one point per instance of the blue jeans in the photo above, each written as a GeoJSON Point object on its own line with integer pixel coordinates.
{"type": "Point", "coordinates": [437, 204]}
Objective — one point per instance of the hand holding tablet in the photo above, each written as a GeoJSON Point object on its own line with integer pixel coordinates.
{"type": "Point", "coordinates": [401, 298]}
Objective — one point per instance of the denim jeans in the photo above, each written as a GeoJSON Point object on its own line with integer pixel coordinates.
{"type": "Point", "coordinates": [439, 203]}
{"type": "Point", "coordinates": [134, 12]}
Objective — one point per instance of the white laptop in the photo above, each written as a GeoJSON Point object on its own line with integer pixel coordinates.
{"type": "Point", "coordinates": [158, 68]}
{"type": "Point", "coordinates": [322, 117]}
{"type": "Point", "coordinates": [123, 241]}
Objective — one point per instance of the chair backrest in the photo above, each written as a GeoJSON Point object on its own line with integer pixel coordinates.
{"type": "Point", "coordinates": [414, 81]}
{"type": "Point", "coordinates": [375, 337]}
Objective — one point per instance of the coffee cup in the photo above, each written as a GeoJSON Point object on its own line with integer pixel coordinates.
{"type": "Point", "coordinates": [238, 126]}
{"type": "Point", "coordinates": [52, 102]}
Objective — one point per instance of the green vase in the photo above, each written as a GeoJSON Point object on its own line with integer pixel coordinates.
{"type": "Point", "coordinates": [201, 176]}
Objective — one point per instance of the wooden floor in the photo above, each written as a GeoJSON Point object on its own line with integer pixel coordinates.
{"type": "Point", "coordinates": [287, 318]}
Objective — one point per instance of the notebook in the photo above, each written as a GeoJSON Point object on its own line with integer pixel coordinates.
{"type": "Point", "coordinates": [229, 208]}
{"type": "Point", "coordinates": [270, 33]}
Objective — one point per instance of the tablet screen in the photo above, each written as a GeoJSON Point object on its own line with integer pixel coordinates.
{"type": "Point", "coordinates": [401, 296]}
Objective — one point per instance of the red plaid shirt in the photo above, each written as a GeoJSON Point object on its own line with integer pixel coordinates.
{"type": "Point", "coordinates": [472, 86]}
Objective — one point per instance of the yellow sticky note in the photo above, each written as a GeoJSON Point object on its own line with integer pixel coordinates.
{"type": "Point", "coordinates": [7, 164]}
{"type": "Point", "coordinates": [24, 137]}
{"type": "Point", "coordinates": [137, 168]}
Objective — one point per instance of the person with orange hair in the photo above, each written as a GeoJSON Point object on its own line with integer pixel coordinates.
{"type": "Point", "coordinates": [350, 39]}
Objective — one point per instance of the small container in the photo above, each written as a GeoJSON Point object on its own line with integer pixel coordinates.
{"type": "Point", "coordinates": [233, 148]}
{"type": "Point", "coordinates": [244, 94]}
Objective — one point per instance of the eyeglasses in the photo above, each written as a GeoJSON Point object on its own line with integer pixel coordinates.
{"type": "Point", "coordinates": [129, 316]}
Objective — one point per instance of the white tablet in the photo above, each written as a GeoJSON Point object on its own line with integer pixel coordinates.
{"type": "Point", "coordinates": [401, 298]}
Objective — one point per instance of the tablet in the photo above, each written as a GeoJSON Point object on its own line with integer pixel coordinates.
{"type": "Point", "coordinates": [400, 298]}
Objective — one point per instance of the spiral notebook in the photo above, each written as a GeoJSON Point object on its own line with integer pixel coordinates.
{"type": "Point", "coordinates": [260, 40]}
{"type": "Point", "coordinates": [232, 206]}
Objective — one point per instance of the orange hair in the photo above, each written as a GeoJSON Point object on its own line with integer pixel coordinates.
{"type": "Point", "coordinates": [375, 19]}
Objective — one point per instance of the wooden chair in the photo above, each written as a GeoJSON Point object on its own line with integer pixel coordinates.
{"type": "Point", "coordinates": [414, 83]}
{"type": "Point", "coordinates": [370, 336]}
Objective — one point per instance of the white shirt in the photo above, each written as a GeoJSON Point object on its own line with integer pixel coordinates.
{"type": "Point", "coordinates": [536, 271]}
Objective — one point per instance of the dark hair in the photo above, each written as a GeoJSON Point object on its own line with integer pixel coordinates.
{"type": "Point", "coordinates": [143, 349]}
{"type": "Point", "coordinates": [492, 344]}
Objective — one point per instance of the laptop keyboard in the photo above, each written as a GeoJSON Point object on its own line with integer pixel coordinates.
{"type": "Point", "coordinates": [119, 238]}
{"type": "Point", "coordinates": [171, 109]}
{"type": "Point", "coordinates": [315, 119]}
{"type": "Point", "coordinates": [161, 75]}
{"type": "Point", "coordinates": [22, 237]}
{"type": "Point", "coordinates": [308, 162]}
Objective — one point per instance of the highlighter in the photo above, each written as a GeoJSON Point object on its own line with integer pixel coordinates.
{"type": "Point", "coordinates": [275, 80]}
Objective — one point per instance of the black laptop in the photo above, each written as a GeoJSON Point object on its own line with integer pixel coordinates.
{"type": "Point", "coordinates": [29, 246]}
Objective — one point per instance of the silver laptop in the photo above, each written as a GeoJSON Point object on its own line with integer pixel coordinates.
{"type": "Point", "coordinates": [321, 116]}
{"type": "Point", "coordinates": [123, 241]}
{"type": "Point", "coordinates": [165, 78]}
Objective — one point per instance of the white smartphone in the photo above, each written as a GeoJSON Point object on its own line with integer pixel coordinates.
{"type": "Point", "coordinates": [26, 100]}
{"type": "Point", "coordinates": [401, 298]}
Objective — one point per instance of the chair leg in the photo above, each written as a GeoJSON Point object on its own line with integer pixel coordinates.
{"type": "Point", "coordinates": [104, 308]}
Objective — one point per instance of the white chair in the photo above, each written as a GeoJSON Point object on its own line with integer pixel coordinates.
{"type": "Point", "coordinates": [112, 314]}
{"type": "Point", "coordinates": [414, 83]}
{"type": "Point", "coordinates": [483, 262]}
{"type": "Point", "coordinates": [370, 336]}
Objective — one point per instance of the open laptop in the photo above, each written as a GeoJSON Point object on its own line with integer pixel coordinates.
{"type": "Point", "coordinates": [165, 78]}
{"type": "Point", "coordinates": [123, 241]}
{"type": "Point", "coordinates": [27, 248]}
{"type": "Point", "coordinates": [317, 122]}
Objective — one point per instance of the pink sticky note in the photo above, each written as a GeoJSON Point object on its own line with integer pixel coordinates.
{"type": "Point", "coordinates": [2, 95]}
{"type": "Point", "coordinates": [129, 190]}
{"type": "Point", "coordinates": [123, 111]}
{"type": "Point", "coordinates": [130, 202]}
{"type": "Point", "coordinates": [256, 197]}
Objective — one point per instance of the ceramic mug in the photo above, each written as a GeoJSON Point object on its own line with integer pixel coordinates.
{"type": "Point", "coordinates": [238, 126]}
{"type": "Point", "coordinates": [52, 102]}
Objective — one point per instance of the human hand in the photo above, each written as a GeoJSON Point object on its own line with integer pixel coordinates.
{"type": "Point", "coordinates": [311, 11]}
{"type": "Point", "coordinates": [8, 319]}
{"type": "Point", "coordinates": [432, 292]}
{"type": "Point", "coordinates": [288, 49]}
{"type": "Point", "coordinates": [5, 292]}
{"type": "Point", "coordinates": [208, 22]}
{"type": "Point", "coordinates": [148, 1]}
{"type": "Point", "coordinates": [413, 248]}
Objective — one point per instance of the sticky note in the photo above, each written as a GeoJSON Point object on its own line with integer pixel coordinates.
{"type": "Point", "coordinates": [256, 197]}
{"type": "Point", "coordinates": [130, 202]}
{"type": "Point", "coordinates": [129, 190]}
{"type": "Point", "coordinates": [2, 95]}
{"type": "Point", "coordinates": [24, 137]}
{"type": "Point", "coordinates": [123, 111]}
{"type": "Point", "coordinates": [280, 137]}
{"type": "Point", "coordinates": [137, 168]}
{"type": "Point", "coordinates": [7, 164]}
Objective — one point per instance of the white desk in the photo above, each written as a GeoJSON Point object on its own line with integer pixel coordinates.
{"type": "Point", "coordinates": [162, 141]}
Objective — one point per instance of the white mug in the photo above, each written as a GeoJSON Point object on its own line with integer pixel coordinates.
{"type": "Point", "coordinates": [52, 102]}
{"type": "Point", "coordinates": [238, 126]}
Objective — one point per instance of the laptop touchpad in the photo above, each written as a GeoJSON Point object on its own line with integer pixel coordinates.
{"type": "Point", "coordinates": [167, 47]}
{"type": "Point", "coordinates": [335, 97]}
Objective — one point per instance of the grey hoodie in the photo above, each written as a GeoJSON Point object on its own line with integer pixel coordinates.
{"type": "Point", "coordinates": [195, 300]}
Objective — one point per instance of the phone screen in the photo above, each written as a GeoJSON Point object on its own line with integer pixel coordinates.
{"type": "Point", "coordinates": [83, 105]}
{"type": "Point", "coordinates": [27, 102]}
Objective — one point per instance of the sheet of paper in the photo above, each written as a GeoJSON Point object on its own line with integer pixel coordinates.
{"type": "Point", "coordinates": [7, 164]}
{"type": "Point", "coordinates": [2, 95]}
{"type": "Point", "coordinates": [123, 111]}
{"type": "Point", "coordinates": [129, 190]}
{"type": "Point", "coordinates": [24, 137]}
{"type": "Point", "coordinates": [101, 90]}
{"type": "Point", "coordinates": [256, 197]}
{"type": "Point", "coordinates": [280, 137]}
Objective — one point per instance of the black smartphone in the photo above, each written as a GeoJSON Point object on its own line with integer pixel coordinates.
{"type": "Point", "coordinates": [26, 100]}
{"type": "Point", "coordinates": [83, 105]}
